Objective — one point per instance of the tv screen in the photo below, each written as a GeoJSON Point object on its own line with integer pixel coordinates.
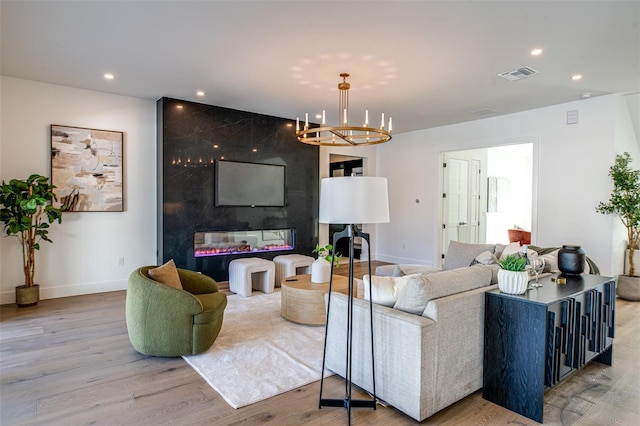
{"type": "Point", "coordinates": [249, 184]}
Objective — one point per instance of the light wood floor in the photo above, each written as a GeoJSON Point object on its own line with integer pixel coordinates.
{"type": "Point", "coordinates": [68, 361]}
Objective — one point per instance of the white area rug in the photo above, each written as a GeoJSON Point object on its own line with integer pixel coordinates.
{"type": "Point", "coordinates": [258, 354]}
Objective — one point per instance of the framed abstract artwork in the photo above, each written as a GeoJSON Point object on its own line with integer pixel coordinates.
{"type": "Point", "coordinates": [86, 168]}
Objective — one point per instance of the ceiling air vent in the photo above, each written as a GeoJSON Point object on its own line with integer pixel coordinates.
{"type": "Point", "coordinates": [518, 73]}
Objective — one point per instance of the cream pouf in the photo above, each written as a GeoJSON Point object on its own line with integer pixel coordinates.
{"type": "Point", "coordinates": [288, 265]}
{"type": "Point", "coordinates": [254, 272]}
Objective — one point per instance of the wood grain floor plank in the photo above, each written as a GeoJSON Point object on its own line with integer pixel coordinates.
{"type": "Point", "coordinates": [69, 361]}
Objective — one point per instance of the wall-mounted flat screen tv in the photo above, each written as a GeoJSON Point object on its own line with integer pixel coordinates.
{"type": "Point", "coordinates": [241, 184]}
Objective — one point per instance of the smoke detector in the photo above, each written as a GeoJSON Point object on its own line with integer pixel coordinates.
{"type": "Point", "coordinates": [518, 73]}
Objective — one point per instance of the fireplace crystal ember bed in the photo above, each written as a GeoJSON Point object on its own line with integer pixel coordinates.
{"type": "Point", "coordinates": [221, 243]}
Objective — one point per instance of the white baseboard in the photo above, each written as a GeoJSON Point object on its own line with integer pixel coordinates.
{"type": "Point", "coordinates": [7, 297]}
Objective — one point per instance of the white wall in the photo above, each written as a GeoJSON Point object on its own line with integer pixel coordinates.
{"type": "Point", "coordinates": [86, 246]}
{"type": "Point", "coordinates": [627, 140]}
{"type": "Point", "coordinates": [570, 176]}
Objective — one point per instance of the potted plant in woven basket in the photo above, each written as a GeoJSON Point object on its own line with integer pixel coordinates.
{"type": "Point", "coordinates": [513, 276]}
{"type": "Point", "coordinates": [26, 213]}
{"type": "Point", "coordinates": [624, 202]}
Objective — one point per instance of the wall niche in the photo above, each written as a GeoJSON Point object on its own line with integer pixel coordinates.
{"type": "Point", "coordinates": [191, 137]}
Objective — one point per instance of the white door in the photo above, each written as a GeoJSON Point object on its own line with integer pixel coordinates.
{"type": "Point", "coordinates": [474, 196]}
{"type": "Point", "coordinates": [461, 201]}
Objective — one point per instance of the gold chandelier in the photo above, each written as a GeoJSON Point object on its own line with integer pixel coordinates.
{"type": "Point", "coordinates": [344, 134]}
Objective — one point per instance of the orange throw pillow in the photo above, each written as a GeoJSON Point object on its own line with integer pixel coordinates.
{"type": "Point", "coordinates": [166, 274]}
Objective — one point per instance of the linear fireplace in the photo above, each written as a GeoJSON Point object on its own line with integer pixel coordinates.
{"type": "Point", "coordinates": [221, 243]}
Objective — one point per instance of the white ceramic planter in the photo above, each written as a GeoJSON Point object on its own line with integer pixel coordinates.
{"type": "Point", "coordinates": [320, 271]}
{"type": "Point", "coordinates": [513, 282]}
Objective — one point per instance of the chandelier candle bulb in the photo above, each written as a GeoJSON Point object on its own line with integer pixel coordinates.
{"type": "Point", "coordinates": [382, 124]}
{"type": "Point", "coordinates": [345, 117]}
{"type": "Point", "coordinates": [297, 124]}
{"type": "Point", "coordinates": [306, 120]}
{"type": "Point", "coordinates": [323, 118]}
{"type": "Point", "coordinates": [366, 118]}
{"type": "Point", "coordinates": [390, 128]}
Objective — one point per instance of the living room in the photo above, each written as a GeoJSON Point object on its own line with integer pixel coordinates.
{"type": "Point", "coordinates": [571, 163]}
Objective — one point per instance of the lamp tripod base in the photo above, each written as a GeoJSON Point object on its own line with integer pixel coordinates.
{"type": "Point", "coordinates": [345, 403]}
{"type": "Point", "coordinates": [350, 232]}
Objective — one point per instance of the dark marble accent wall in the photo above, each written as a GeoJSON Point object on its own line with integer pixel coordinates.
{"type": "Point", "coordinates": [191, 137]}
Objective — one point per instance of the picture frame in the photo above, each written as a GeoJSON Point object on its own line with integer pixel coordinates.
{"type": "Point", "coordinates": [87, 169]}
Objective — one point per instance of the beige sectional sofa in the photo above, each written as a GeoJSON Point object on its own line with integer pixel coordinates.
{"type": "Point", "coordinates": [428, 346]}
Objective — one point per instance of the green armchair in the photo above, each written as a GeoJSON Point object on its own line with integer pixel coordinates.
{"type": "Point", "coordinates": [166, 321]}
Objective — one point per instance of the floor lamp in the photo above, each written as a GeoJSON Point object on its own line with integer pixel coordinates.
{"type": "Point", "coordinates": [352, 200]}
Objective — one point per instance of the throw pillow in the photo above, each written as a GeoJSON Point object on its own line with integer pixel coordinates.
{"type": "Point", "coordinates": [484, 258]}
{"type": "Point", "coordinates": [385, 290]}
{"type": "Point", "coordinates": [397, 272]}
{"type": "Point", "coordinates": [462, 254]}
{"type": "Point", "coordinates": [415, 296]}
{"type": "Point", "coordinates": [166, 274]}
{"type": "Point", "coordinates": [512, 248]}
{"type": "Point", "coordinates": [498, 250]}
{"type": "Point", "coordinates": [551, 262]}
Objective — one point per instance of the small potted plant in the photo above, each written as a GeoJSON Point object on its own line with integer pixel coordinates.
{"type": "Point", "coordinates": [513, 276]}
{"type": "Point", "coordinates": [321, 268]}
{"type": "Point", "coordinates": [26, 212]}
{"type": "Point", "coordinates": [624, 202]}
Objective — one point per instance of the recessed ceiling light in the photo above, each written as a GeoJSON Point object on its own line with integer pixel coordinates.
{"type": "Point", "coordinates": [255, 150]}
{"type": "Point", "coordinates": [108, 76]}
{"type": "Point", "coordinates": [536, 52]}
{"type": "Point", "coordinates": [576, 77]}
{"type": "Point", "coordinates": [216, 146]}
{"type": "Point", "coordinates": [289, 124]}
{"type": "Point", "coordinates": [179, 106]}
{"type": "Point", "coordinates": [200, 93]}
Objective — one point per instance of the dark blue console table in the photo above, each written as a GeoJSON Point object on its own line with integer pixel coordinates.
{"type": "Point", "coordinates": [535, 340]}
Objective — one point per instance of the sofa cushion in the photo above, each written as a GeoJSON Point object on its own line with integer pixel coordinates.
{"type": "Point", "coordinates": [385, 290]}
{"type": "Point", "coordinates": [462, 254]}
{"type": "Point", "coordinates": [419, 290]}
{"type": "Point", "coordinates": [166, 274]}
{"type": "Point", "coordinates": [404, 269]}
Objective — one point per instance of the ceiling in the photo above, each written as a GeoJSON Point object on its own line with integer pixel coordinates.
{"type": "Point", "coordinates": [425, 63]}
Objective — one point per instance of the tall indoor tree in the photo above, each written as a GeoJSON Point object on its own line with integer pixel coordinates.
{"type": "Point", "coordinates": [26, 213]}
{"type": "Point", "coordinates": [624, 202]}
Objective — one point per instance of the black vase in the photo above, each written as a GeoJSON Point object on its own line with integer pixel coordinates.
{"type": "Point", "coordinates": [571, 260]}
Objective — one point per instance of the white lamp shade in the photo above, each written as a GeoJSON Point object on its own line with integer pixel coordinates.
{"type": "Point", "coordinates": [354, 200]}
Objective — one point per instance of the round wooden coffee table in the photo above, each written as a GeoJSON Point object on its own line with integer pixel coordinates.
{"type": "Point", "coordinates": [303, 301]}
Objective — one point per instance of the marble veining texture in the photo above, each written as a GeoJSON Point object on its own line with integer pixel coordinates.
{"type": "Point", "coordinates": [190, 139]}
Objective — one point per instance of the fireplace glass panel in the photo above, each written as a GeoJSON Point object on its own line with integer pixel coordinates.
{"type": "Point", "coordinates": [220, 243]}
